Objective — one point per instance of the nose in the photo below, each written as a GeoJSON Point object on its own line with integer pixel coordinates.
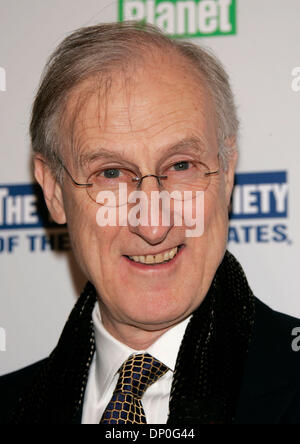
{"type": "Point", "coordinates": [154, 224]}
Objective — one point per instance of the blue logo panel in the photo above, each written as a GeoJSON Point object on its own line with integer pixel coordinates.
{"type": "Point", "coordinates": [23, 206]}
{"type": "Point", "coordinates": [260, 195]}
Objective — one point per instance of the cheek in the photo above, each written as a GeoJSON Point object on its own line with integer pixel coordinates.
{"type": "Point", "coordinates": [214, 238]}
{"type": "Point", "coordinates": [91, 244]}
{"type": "Point", "coordinates": [216, 225]}
{"type": "Point", "coordinates": [216, 204]}
{"type": "Point", "coordinates": [208, 249]}
{"type": "Point", "coordinates": [81, 217]}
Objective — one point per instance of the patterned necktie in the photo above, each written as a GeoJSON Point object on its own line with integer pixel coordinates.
{"type": "Point", "coordinates": [136, 375]}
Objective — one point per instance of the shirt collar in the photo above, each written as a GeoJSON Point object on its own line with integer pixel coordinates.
{"type": "Point", "coordinates": [111, 353]}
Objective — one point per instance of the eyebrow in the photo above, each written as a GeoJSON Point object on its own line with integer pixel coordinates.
{"type": "Point", "coordinates": [101, 153]}
{"type": "Point", "coordinates": [192, 145]}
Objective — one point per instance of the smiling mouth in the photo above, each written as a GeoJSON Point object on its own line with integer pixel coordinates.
{"type": "Point", "coordinates": [160, 258]}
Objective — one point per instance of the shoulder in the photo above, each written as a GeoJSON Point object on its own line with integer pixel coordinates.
{"type": "Point", "coordinates": [270, 391]}
{"type": "Point", "coordinates": [276, 337]}
{"type": "Point", "coordinates": [275, 325]}
{"type": "Point", "coordinates": [13, 385]}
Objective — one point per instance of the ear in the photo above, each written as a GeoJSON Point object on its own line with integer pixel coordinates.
{"type": "Point", "coordinates": [51, 189]}
{"type": "Point", "coordinates": [231, 167]}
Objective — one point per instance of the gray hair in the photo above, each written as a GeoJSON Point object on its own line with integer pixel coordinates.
{"type": "Point", "coordinates": [102, 49]}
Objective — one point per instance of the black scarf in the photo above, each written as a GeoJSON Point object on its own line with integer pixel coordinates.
{"type": "Point", "coordinates": [208, 370]}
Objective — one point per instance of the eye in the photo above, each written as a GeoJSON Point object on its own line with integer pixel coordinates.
{"type": "Point", "coordinates": [181, 166]}
{"type": "Point", "coordinates": [111, 173]}
{"type": "Point", "coordinates": [111, 176]}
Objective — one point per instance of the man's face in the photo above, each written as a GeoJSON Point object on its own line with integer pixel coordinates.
{"type": "Point", "coordinates": [157, 107]}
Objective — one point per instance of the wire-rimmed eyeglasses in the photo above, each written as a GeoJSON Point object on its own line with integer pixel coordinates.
{"type": "Point", "coordinates": [177, 178]}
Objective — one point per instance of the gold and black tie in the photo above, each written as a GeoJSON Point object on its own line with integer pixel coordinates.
{"type": "Point", "coordinates": [136, 375]}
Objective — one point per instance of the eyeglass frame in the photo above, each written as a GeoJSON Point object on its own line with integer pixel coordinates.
{"type": "Point", "coordinates": [134, 179]}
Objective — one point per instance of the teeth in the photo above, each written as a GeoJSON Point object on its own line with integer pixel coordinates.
{"type": "Point", "coordinates": [150, 259]}
{"type": "Point", "coordinates": [172, 254]}
{"type": "Point", "coordinates": [156, 259]}
{"type": "Point", "coordinates": [159, 257]}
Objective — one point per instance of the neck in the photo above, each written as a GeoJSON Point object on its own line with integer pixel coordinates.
{"type": "Point", "coordinates": [137, 337]}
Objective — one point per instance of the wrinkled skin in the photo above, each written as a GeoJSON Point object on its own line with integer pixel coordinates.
{"type": "Point", "coordinates": [140, 119]}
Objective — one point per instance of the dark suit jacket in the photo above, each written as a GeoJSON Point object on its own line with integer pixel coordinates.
{"type": "Point", "coordinates": [270, 389]}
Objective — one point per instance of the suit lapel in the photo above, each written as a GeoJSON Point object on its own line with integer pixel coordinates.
{"type": "Point", "coordinates": [210, 362]}
{"type": "Point", "coordinates": [266, 391]}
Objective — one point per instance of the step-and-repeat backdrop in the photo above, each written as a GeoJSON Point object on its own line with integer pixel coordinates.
{"type": "Point", "coordinates": [259, 43]}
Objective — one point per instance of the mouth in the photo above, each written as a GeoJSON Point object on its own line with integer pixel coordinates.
{"type": "Point", "coordinates": [156, 259]}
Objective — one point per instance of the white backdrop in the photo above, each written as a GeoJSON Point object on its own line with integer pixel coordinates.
{"type": "Point", "coordinates": [260, 49]}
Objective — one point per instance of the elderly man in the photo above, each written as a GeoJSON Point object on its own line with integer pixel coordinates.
{"type": "Point", "coordinates": [167, 329]}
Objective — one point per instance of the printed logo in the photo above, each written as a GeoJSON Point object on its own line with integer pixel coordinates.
{"type": "Point", "coordinates": [259, 196]}
{"type": "Point", "coordinates": [2, 340]}
{"type": "Point", "coordinates": [2, 79]}
{"type": "Point", "coordinates": [296, 80]}
{"type": "Point", "coordinates": [183, 18]}
{"type": "Point", "coordinates": [22, 207]}
{"type": "Point", "coordinates": [183, 204]}
{"type": "Point", "coordinates": [296, 341]}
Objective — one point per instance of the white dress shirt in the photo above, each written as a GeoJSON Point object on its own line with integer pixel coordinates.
{"type": "Point", "coordinates": [108, 358]}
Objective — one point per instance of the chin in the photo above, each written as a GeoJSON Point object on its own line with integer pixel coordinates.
{"type": "Point", "coordinates": [158, 312]}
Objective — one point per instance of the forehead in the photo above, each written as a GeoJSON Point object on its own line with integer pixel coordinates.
{"type": "Point", "coordinates": [142, 110]}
